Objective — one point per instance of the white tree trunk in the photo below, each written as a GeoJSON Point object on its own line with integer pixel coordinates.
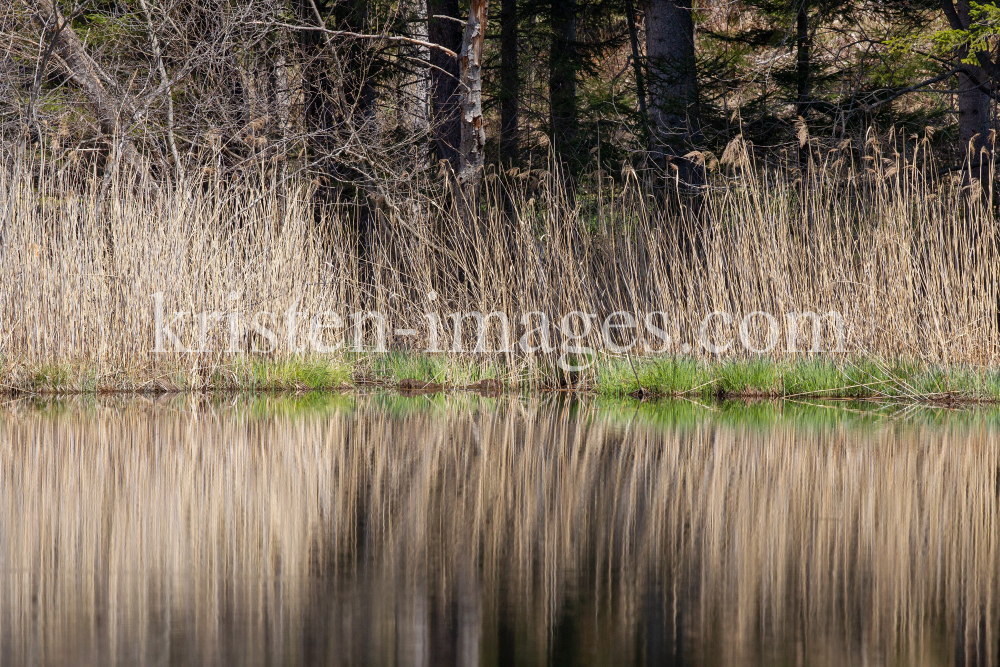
{"type": "Point", "coordinates": [471, 90]}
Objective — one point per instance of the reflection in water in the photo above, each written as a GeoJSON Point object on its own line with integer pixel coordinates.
{"type": "Point", "coordinates": [467, 531]}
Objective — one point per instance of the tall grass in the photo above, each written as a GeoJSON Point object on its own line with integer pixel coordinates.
{"type": "Point", "coordinates": [909, 258]}
{"type": "Point", "coordinates": [387, 530]}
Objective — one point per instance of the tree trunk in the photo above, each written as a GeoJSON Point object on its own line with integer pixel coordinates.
{"type": "Point", "coordinates": [445, 72]}
{"type": "Point", "coordinates": [673, 83]}
{"type": "Point", "coordinates": [319, 93]}
{"type": "Point", "coordinates": [336, 89]}
{"type": "Point", "coordinates": [471, 88]}
{"type": "Point", "coordinates": [281, 95]}
{"type": "Point", "coordinates": [337, 102]}
{"type": "Point", "coordinates": [164, 81]}
{"type": "Point", "coordinates": [415, 102]}
{"type": "Point", "coordinates": [973, 116]}
{"type": "Point", "coordinates": [974, 121]}
{"type": "Point", "coordinates": [83, 71]}
{"type": "Point", "coordinates": [509, 82]}
{"type": "Point", "coordinates": [802, 57]}
{"type": "Point", "coordinates": [356, 74]}
{"type": "Point", "coordinates": [640, 83]}
{"type": "Point", "coordinates": [563, 63]}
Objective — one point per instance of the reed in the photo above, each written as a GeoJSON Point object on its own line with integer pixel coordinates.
{"type": "Point", "coordinates": [908, 257]}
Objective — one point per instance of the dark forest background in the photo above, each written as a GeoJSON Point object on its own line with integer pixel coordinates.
{"type": "Point", "coordinates": [367, 96]}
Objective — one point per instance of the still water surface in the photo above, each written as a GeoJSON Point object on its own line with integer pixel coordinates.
{"type": "Point", "coordinates": [460, 530]}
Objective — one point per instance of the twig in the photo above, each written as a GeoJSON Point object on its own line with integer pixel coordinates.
{"type": "Point", "coordinates": [913, 88]}
{"type": "Point", "coordinates": [165, 81]}
{"type": "Point", "coordinates": [448, 18]}
{"type": "Point", "coordinates": [358, 35]}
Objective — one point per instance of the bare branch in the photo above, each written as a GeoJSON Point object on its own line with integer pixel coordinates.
{"type": "Point", "coordinates": [448, 18]}
{"type": "Point", "coordinates": [917, 86]}
{"type": "Point", "coordinates": [358, 35]}
{"type": "Point", "coordinates": [83, 71]}
{"type": "Point", "coordinates": [164, 80]}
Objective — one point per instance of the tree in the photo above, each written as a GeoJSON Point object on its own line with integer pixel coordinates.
{"type": "Point", "coordinates": [509, 82]}
{"type": "Point", "coordinates": [83, 71]}
{"type": "Point", "coordinates": [803, 40]}
{"type": "Point", "coordinates": [473, 132]}
{"type": "Point", "coordinates": [444, 28]}
{"type": "Point", "coordinates": [636, 58]}
{"type": "Point", "coordinates": [673, 83]}
{"type": "Point", "coordinates": [973, 35]}
{"type": "Point", "coordinates": [319, 94]}
{"type": "Point", "coordinates": [563, 66]}
{"type": "Point", "coordinates": [338, 99]}
{"type": "Point", "coordinates": [415, 102]}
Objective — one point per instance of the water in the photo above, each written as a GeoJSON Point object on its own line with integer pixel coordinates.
{"type": "Point", "coordinates": [459, 530]}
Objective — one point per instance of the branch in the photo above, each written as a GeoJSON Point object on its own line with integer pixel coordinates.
{"type": "Point", "coordinates": [948, 7]}
{"type": "Point", "coordinates": [165, 81]}
{"type": "Point", "coordinates": [82, 70]}
{"type": "Point", "coordinates": [967, 70]}
{"type": "Point", "coordinates": [917, 86]}
{"type": "Point", "coordinates": [40, 68]}
{"type": "Point", "coordinates": [955, 21]}
{"type": "Point", "coordinates": [448, 18]}
{"type": "Point", "coordinates": [358, 35]}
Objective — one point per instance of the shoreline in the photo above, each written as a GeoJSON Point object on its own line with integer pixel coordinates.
{"type": "Point", "coordinates": [643, 378]}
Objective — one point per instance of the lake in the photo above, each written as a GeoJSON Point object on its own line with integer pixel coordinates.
{"type": "Point", "coordinates": [455, 529]}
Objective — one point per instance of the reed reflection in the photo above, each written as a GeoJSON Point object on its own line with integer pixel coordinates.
{"type": "Point", "coordinates": [464, 530]}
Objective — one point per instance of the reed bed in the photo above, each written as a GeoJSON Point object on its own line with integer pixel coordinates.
{"type": "Point", "coordinates": [374, 529]}
{"type": "Point", "coordinates": [907, 257]}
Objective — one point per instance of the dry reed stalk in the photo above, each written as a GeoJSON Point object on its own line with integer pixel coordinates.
{"type": "Point", "coordinates": [908, 259]}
